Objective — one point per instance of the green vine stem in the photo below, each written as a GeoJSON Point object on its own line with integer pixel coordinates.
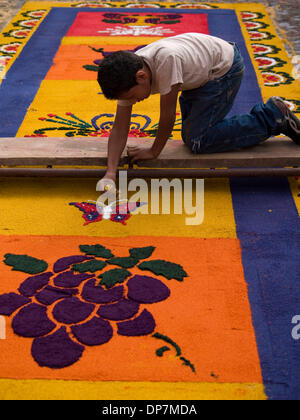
{"type": "Point", "coordinates": [160, 352]}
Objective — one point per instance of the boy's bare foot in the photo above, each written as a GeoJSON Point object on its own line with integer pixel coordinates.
{"type": "Point", "coordinates": [291, 126]}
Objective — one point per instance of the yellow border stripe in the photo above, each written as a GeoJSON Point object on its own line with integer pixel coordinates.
{"type": "Point", "coordinates": [11, 389]}
{"type": "Point", "coordinates": [100, 40]}
{"type": "Point", "coordinates": [295, 189]}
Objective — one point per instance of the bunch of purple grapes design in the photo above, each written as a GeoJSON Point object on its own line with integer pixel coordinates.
{"type": "Point", "coordinates": [78, 304]}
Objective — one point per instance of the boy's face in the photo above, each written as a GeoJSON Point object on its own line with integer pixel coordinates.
{"type": "Point", "coordinates": [140, 91]}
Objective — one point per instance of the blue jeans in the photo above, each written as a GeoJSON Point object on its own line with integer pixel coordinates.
{"type": "Point", "coordinates": [204, 126]}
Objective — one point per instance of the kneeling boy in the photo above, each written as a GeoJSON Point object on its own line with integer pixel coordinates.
{"type": "Point", "coordinates": [208, 72]}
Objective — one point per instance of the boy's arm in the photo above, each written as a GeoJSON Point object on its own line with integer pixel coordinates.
{"type": "Point", "coordinates": [166, 120]}
{"type": "Point", "coordinates": [166, 123]}
{"type": "Point", "coordinates": [118, 139]}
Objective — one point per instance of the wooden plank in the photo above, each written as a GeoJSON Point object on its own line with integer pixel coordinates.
{"type": "Point", "coordinates": [53, 151]}
{"type": "Point", "coordinates": [272, 153]}
{"type": "Point", "coordinates": [87, 151]}
{"type": "Point", "coordinates": [150, 172]}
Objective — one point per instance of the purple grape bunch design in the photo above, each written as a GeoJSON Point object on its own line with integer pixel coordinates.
{"type": "Point", "coordinates": [84, 300]}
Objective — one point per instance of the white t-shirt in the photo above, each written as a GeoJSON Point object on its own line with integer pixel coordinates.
{"type": "Point", "coordinates": [191, 59]}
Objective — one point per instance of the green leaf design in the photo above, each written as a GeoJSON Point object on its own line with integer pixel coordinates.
{"type": "Point", "coordinates": [112, 277]}
{"type": "Point", "coordinates": [99, 50]}
{"type": "Point", "coordinates": [142, 253]}
{"type": "Point", "coordinates": [124, 262]}
{"type": "Point", "coordinates": [91, 67]}
{"type": "Point", "coordinates": [97, 250]}
{"type": "Point", "coordinates": [164, 268]}
{"type": "Point", "coordinates": [91, 266]}
{"type": "Point", "coordinates": [25, 263]}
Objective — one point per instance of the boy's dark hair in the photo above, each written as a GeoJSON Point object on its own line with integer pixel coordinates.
{"type": "Point", "coordinates": [117, 73]}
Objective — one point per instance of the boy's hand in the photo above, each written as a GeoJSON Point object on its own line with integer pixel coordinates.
{"type": "Point", "coordinates": [136, 153]}
{"type": "Point", "coordinates": [107, 184]}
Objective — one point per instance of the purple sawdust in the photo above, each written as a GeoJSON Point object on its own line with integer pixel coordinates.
{"type": "Point", "coordinates": [72, 310]}
{"type": "Point", "coordinates": [124, 309]}
{"type": "Point", "coordinates": [32, 321]}
{"type": "Point", "coordinates": [144, 324]}
{"type": "Point", "coordinates": [50, 294]}
{"type": "Point", "coordinates": [57, 350]}
{"type": "Point", "coordinates": [97, 294]}
{"type": "Point", "coordinates": [146, 289]}
{"type": "Point", "coordinates": [70, 279]}
{"type": "Point", "coordinates": [65, 262]}
{"type": "Point", "coordinates": [9, 302]}
{"type": "Point", "coordinates": [34, 283]}
{"type": "Point", "coordinates": [94, 332]}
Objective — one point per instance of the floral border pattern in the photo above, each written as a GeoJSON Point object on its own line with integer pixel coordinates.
{"type": "Point", "coordinates": [18, 36]}
{"type": "Point", "coordinates": [267, 55]}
